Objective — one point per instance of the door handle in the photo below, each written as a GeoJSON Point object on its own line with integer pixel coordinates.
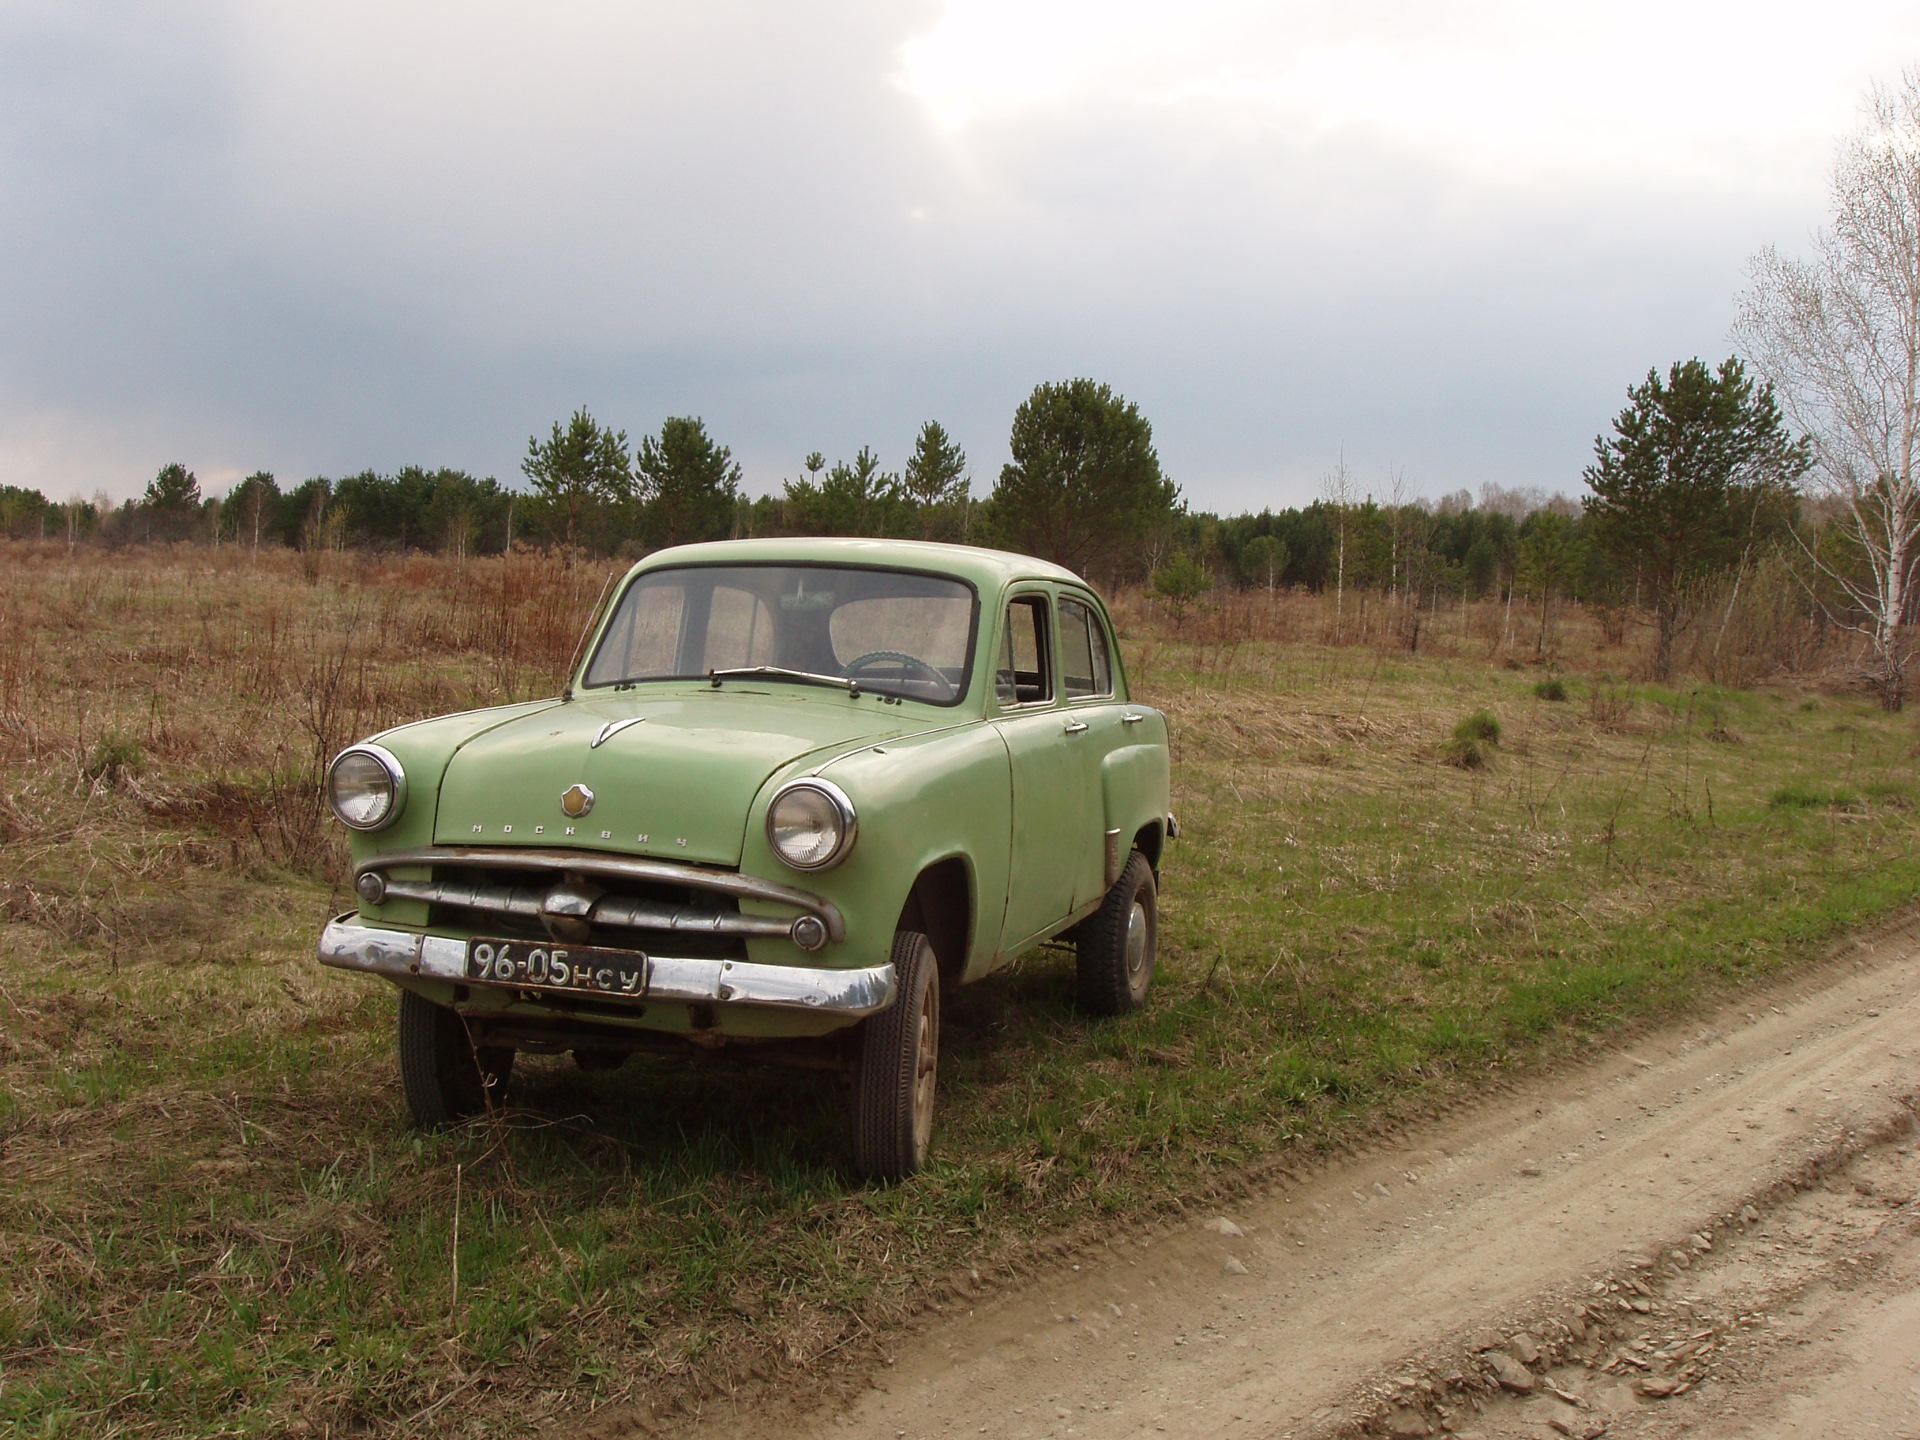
{"type": "Point", "coordinates": [1076, 727]}
{"type": "Point", "coordinates": [1131, 719]}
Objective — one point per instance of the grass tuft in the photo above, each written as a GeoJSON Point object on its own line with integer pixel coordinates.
{"type": "Point", "coordinates": [1806, 797]}
{"type": "Point", "coordinates": [110, 760]}
{"type": "Point", "coordinates": [1481, 725]}
{"type": "Point", "coordinates": [1468, 747]}
{"type": "Point", "coordinates": [1554, 690]}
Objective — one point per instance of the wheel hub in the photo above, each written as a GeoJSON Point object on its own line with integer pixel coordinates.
{"type": "Point", "coordinates": [1137, 925]}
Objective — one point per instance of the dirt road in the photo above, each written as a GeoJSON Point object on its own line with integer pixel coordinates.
{"type": "Point", "coordinates": [1710, 1232]}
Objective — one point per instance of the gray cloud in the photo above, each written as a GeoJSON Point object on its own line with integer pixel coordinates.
{"type": "Point", "coordinates": [322, 238]}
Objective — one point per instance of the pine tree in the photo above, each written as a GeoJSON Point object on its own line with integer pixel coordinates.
{"type": "Point", "coordinates": [689, 486]}
{"type": "Point", "coordinates": [936, 479]}
{"type": "Point", "coordinates": [579, 472]}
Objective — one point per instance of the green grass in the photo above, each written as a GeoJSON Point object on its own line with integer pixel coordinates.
{"type": "Point", "coordinates": [1807, 797]}
{"type": "Point", "coordinates": [217, 1220]}
{"type": "Point", "coordinates": [1471, 744]}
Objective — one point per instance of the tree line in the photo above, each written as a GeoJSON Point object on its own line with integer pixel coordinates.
{"type": "Point", "coordinates": [1698, 480]}
{"type": "Point", "coordinates": [1084, 486]}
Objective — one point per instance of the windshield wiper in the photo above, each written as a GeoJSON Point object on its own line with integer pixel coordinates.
{"type": "Point", "coordinates": [780, 672]}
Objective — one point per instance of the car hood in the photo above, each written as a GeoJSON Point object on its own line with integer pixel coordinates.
{"type": "Point", "coordinates": [674, 780]}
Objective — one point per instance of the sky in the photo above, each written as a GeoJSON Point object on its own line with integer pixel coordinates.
{"type": "Point", "coordinates": [1435, 242]}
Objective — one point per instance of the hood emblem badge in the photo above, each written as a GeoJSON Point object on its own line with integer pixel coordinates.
{"type": "Point", "coordinates": [575, 801]}
{"type": "Point", "coordinates": [613, 728]}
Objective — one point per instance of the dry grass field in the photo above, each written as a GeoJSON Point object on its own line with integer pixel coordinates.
{"type": "Point", "coordinates": [215, 1219]}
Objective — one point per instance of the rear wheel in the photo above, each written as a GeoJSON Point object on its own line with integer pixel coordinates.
{"type": "Point", "coordinates": [445, 1077]}
{"type": "Point", "coordinates": [1117, 943]}
{"type": "Point", "coordinates": [897, 1064]}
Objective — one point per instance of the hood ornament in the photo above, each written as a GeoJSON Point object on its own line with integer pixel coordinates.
{"type": "Point", "coordinates": [613, 728]}
{"type": "Point", "coordinates": [575, 801]}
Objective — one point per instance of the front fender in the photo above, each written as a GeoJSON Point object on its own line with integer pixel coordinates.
{"type": "Point", "coordinates": [921, 799]}
{"type": "Point", "coordinates": [424, 749]}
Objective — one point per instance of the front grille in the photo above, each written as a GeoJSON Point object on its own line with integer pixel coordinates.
{"type": "Point", "coordinates": [664, 919]}
{"type": "Point", "coordinates": [590, 898]}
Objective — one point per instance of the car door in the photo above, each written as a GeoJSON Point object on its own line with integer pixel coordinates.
{"type": "Point", "coordinates": [1051, 796]}
{"type": "Point", "coordinates": [1087, 692]}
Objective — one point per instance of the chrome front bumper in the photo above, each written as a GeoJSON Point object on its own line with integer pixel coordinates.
{"type": "Point", "coordinates": [403, 955]}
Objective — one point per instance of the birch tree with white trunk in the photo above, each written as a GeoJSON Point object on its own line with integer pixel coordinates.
{"type": "Point", "coordinates": [1838, 335]}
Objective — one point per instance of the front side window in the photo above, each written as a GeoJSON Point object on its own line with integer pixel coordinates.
{"type": "Point", "coordinates": [1085, 670]}
{"type": "Point", "coordinates": [1023, 673]}
{"type": "Point", "coordinates": [896, 632]}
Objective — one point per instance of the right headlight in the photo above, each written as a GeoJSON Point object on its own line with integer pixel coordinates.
{"type": "Point", "coordinates": [811, 824]}
{"type": "Point", "coordinates": [366, 787]}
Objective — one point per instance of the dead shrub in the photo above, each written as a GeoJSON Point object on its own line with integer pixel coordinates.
{"type": "Point", "coordinates": [1609, 707]}
{"type": "Point", "coordinates": [1754, 625]}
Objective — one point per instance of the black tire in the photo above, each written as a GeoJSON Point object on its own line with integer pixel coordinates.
{"type": "Point", "coordinates": [1118, 943]}
{"type": "Point", "coordinates": [897, 1066]}
{"type": "Point", "coordinates": [445, 1078]}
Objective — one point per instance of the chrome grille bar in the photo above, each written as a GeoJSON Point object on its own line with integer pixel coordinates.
{"type": "Point", "coordinates": [608, 910]}
{"type": "Point", "coordinates": [615, 868]}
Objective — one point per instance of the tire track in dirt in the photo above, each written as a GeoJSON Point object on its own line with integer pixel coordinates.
{"type": "Point", "coordinates": [1350, 1297]}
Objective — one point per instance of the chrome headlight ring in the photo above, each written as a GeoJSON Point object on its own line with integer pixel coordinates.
{"type": "Point", "coordinates": [811, 824]}
{"type": "Point", "coordinates": [360, 797]}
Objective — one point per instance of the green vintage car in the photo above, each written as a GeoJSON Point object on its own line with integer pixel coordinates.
{"type": "Point", "coordinates": [793, 791]}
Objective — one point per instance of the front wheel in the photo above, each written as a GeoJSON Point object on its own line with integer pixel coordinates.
{"type": "Point", "coordinates": [1118, 943]}
{"type": "Point", "coordinates": [895, 1069]}
{"type": "Point", "coordinates": [445, 1077]}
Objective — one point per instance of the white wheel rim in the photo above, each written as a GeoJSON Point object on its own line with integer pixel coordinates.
{"type": "Point", "coordinates": [1138, 926]}
{"type": "Point", "coordinates": [926, 1063]}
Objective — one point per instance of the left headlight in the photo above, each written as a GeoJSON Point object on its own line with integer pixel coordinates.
{"type": "Point", "coordinates": [811, 824]}
{"type": "Point", "coordinates": [366, 787]}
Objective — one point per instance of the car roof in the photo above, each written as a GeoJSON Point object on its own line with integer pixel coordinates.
{"type": "Point", "coordinates": [987, 569]}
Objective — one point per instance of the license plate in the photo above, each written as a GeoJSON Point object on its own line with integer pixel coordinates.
{"type": "Point", "coordinates": [572, 969]}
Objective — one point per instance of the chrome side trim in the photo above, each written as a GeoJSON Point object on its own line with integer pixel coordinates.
{"type": "Point", "coordinates": [348, 944]}
{"type": "Point", "coordinates": [1113, 857]}
{"type": "Point", "coordinates": [618, 867]}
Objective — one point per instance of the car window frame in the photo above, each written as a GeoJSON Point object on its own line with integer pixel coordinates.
{"type": "Point", "coordinates": [592, 650]}
{"type": "Point", "coordinates": [1050, 643]}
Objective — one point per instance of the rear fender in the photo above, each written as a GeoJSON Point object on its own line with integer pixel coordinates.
{"type": "Point", "coordinates": [1134, 790]}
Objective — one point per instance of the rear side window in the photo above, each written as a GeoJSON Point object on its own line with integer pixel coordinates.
{"type": "Point", "coordinates": [1085, 669]}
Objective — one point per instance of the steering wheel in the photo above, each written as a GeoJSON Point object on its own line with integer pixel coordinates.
{"type": "Point", "coordinates": [906, 662]}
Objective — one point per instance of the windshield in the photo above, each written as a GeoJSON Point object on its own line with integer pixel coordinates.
{"type": "Point", "coordinates": [891, 631]}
